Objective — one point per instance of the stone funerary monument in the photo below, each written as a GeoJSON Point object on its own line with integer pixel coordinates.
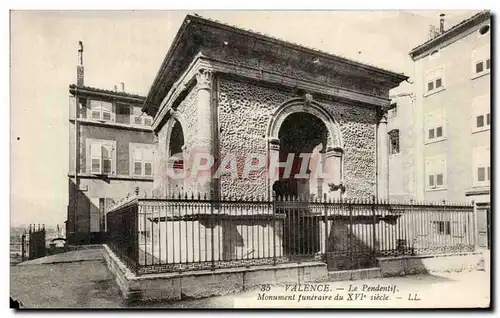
{"type": "Point", "coordinates": [230, 92]}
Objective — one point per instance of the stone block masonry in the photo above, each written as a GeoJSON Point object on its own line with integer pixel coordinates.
{"type": "Point", "coordinates": [424, 264]}
{"type": "Point", "coordinates": [245, 110]}
{"type": "Point", "coordinates": [200, 284]}
{"type": "Point", "coordinates": [187, 242]}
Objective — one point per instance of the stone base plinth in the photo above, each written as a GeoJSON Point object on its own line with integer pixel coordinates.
{"type": "Point", "coordinates": [423, 264]}
{"type": "Point", "coordinates": [207, 283]}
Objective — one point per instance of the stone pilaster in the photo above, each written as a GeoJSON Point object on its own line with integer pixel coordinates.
{"type": "Point", "coordinates": [332, 172]}
{"type": "Point", "coordinates": [204, 139]}
{"type": "Point", "coordinates": [383, 157]}
{"type": "Point", "coordinates": [274, 152]}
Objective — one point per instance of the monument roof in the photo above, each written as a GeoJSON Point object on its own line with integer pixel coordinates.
{"type": "Point", "coordinates": [198, 34]}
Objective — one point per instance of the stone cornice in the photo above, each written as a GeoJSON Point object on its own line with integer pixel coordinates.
{"type": "Point", "coordinates": [217, 66]}
{"type": "Point", "coordinates": [113, 125]}
{"type": "Point", "coordinates": [306, 85]}
{"type": "Point", "coordinates": [119, 177]}
{"type": "Point", "coordinates": [478, 191]}
{"type": "Point", "coordinates": [183, 83]}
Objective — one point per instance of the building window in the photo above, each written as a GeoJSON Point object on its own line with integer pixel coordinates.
{"type": "Point", "coordinates": [435, 126]}
{"type": "Point", "coordinates": [101, 156]}
{"type": "Point", "coordinates": [481, 117]}
{"type": "Point", "coordinates": [482, 66]}
{"type": "Point", "coordinates": [481, 62]}
{"type": "Point", "coordinates": [434, 80]}
{"type": "Point", "coordinates": [441, 227]}
{"type": "Point", "coordinates": [101, 110]}
{"type": "Point", "coordinates": [140, 118]}
{"type": "Point", "coordinates": [435, 170]}
{"type": "Point", "coordinates": [394, 141]}
{"type": "Point", "coordinates": [141, 159]}
{"type": "Point", "coordinates": [481, 166]}
{"type": "Point", "coordinates": [123, 113]}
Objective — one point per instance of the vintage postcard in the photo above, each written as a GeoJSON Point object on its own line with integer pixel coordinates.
{"type": "Point", "coordinates": [250, 159]}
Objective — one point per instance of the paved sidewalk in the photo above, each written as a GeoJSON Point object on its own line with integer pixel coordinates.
{"type": "Point", "coordinates": [57, 283]}
{"type": "Point", "coordinates": [86, 284]}
{"type": "Point", "coordinates": [72, 256]}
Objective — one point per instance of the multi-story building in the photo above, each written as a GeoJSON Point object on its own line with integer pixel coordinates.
{"type": "Point", "coordinates": [111, 146]}
{"type": "Point", "coordinates": [449, 126]}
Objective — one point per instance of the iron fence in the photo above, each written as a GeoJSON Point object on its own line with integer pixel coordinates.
{"type": "Point", "coordinates": [191, 233]}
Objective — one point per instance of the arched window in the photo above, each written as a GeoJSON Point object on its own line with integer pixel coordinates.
{"type": "Point", "coordinates": [394, 141]}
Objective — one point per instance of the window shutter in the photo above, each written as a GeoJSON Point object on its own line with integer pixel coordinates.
{"type": "Point", "coordinates": [106, 158]}
{"type": "Point", "coordinates": [441, 169]}
{"type": "Point", "coordinates": [95, 109]}
{"type": "Point", "coordinates": [113, 111]}
{"type": "Point", "coordinates": [137, 161]}
{"type": "Point", "coordinates": [96, 157]}
{"type": "Point", "coordinates": [148, 161]}
{"type": "Point", "coordinates": [107, 109]}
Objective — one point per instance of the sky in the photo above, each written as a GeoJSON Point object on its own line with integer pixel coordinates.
{"type": "Point", "coordinates": [129, 46]}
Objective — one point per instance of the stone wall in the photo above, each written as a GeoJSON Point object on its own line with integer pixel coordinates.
{"type": "Point", "coordinates": [357, 126]}
{"type": "Point", "coordinates": [201, 284]}
{"type": "Point", "coordinates": [187, 110]}
{"type": "Point", "coordinates": [244, 113]}
{"type": "Point", "coordinates": [233, 240]}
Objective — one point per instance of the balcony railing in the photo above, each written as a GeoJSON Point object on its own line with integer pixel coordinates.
{"type": "Point", "coordinates": [188, 232]}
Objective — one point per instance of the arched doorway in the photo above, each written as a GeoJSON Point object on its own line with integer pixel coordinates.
{"type": "Point", "coordinates": [304, 126]}
{"type": "Point", "coordinates": [305, 136]}
{"type": "Point", "coordinates": [176, 139]}
{"type": "Point", "coordinates": [175, 147]}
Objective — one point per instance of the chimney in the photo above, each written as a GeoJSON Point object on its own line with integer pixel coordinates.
{"type": "Point", "coordinates": [116, 88]}
{"type": "Point", "coordinates": [122, 86]}
{"type": "Point", "coordinates": [79, 68]}
{"type": "Point", "coordinates": [441, 23]}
